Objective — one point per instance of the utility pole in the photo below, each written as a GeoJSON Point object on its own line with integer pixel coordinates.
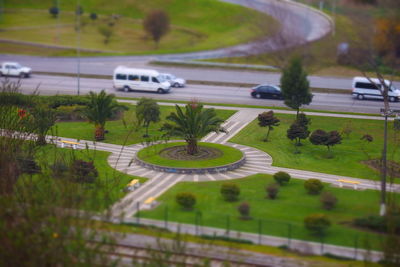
{"type": "Point", "coordinates": [78, 43]}
{"type": "Point", "coordinates": [386, 113]}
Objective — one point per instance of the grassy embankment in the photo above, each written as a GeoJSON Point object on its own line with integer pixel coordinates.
{"type": "Point", "coordinates": [195, 25]}
{"type": "Point", "coordinates": [275, 216]}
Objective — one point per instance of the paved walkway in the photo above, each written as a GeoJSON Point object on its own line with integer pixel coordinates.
{"type": "Point", "coordinates": [256, 162]}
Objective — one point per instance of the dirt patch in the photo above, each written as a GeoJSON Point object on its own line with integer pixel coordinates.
{"type": "Point", "coordinates": [179, 153]}
{"type": "Point", "coordinates": [393, 168]}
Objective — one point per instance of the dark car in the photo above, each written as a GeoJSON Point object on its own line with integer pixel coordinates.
{"type": "Point", "coordinates": [267, 91]}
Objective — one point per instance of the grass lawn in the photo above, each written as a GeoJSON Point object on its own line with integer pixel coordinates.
{"type": "Point", "coordinates": [347, 155]}
{"type": "Point", "coordinates": [195, 25]}
{"type": "Point", "coordinates": [291, 206]}
{"type": "Point", "coordinates": [109, 185]}
{"type": "Point", "coordinates": [120, 131]}
{"type": "Point", "coordinates": [152, 155]}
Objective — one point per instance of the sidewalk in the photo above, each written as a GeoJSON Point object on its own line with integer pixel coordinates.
{"type": "Point", "coordinates": [301, 246]}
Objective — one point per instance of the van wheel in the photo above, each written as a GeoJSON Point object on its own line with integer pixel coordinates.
{"type": "Point", "coordinates": [360, 97]}
{"type": "Point", "coordinates": [126, 89]}
{"type": "Point", "coordinates": [22, 75]}
{"type": "Point", "coordinates": [392, 99]}
{"type": "Point", "coordinates": [160, 91]}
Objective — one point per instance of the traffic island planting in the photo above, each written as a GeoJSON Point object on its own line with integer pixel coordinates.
{"type": "Point", "coordinates": [174, 155]}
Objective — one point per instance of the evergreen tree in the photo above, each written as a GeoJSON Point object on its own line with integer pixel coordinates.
{"type": "Point", "coordinates": [295, 86]}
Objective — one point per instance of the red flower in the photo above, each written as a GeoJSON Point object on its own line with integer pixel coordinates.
{"type": "Point", "coordinates": [21, 113]}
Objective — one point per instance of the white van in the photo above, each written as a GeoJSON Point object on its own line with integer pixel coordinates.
{"type": "Point", "coordinates": [364, 88]}
{"type": "Point", "coordinates": [130, 79]}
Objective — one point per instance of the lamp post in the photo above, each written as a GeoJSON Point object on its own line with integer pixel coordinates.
{"type": "Point", "coordinates": [386, 113]}
{"type": "Point", "coordinates": [78, 43]}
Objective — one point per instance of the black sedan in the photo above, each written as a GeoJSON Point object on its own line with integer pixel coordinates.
{"type": "Point", "coordinates": [267, 91]}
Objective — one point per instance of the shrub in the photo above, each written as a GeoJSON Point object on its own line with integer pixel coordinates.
{"type": "Point", "coordinates": [83, 171]}
{"type": "Point", "coordinates": [313, 186]}
{"type": "Point", "coordinates": [272, 190]}
{"type": "Point", "coordinates": [282, 178]}
{"type": "Point", "coordinates": [70, 113]}
{"type": "Point", "coordinates": [317, 223]}
{"type": "Point", "coordinates": [28, 165]}
{"type": "Point", "coordinates": [54, 11]}
{"type": "Point", "coordinates": [93, 16]}
{"type": "Point", "coordinates": [186, 200]}
{"type": "Point", "coordinates": [230, 191]}
{"type": "Point", "coordinates": [66, 100]}
{"type": "Point", "coordinates": [244, 210]}
{"type": "Point", "coordinates": [328, 200]}
{"type": "Point", "coordinates": [59, 169]}
{"type": "Point", "coordinates": [379, 223]}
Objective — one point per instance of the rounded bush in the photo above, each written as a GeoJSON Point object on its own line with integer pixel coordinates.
{"type": "Point", "coordinates": [272, 190]}
{"type": "Point", "coordinates": [230, 191]}
{"type": "Point", "coordinates": [244, 210]}
{"type": "Point", "coordinates": [313, 186]}
{"type": "Point", "coordinates": [317, 223]}
{"type": "Point", "coordinates": [186, 200]}
{"type": "Point", "coordinates": [282, 178]}
{"type": "Point", "coordinates": [83, 171]}
{"type": "Point", "coordinates": [328, 200]}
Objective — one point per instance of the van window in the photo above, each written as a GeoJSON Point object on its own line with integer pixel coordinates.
{"type": "Point", "coordinates": [154, 80]}
{"type": "Point", "coordinates": [144, 78]}
{"type": "Point", "coordinates": [133, 77]}
{"type": "Point", "coordinates": [120, 76]}
{"type": "Point", "coordinates": [367, 85]}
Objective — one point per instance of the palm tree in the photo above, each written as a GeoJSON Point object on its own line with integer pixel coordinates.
{"type": "Point", "coordinates": [192, 123]}
{"type": "Point", "coordinates": [101, 107]}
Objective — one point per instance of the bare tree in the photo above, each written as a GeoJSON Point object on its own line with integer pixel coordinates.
{"type": "Point", "coordinates": [156, 24]}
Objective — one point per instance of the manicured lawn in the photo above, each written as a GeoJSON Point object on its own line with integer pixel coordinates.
{"type": "Point", "coordinates": [290, 208]}
{"type": "Point", "coordinates": [195, 25]}
{"type": "Point", "coordinates": [109, 185]}
{"type": "Point", "coordinates": [152, 155]}
{"type": "Point", "coordinates": [121, 131]}
{"type": "Point", "coordinates": [347, 156]}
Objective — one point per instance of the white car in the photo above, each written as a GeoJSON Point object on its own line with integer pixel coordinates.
{"type": "Point", "coordinates": [173, 80]}
{"type": "Point", "coordinates": [14, 69]}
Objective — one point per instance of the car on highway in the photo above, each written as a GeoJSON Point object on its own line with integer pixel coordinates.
{"type": "Point", "coordinates": [173, 80]}
{"type": "Point", "coordinates": [266, 91]}
{"type": "Point", "coordinates": [363, 88]}
{"type": "Point", "coordinates": [14, 69]}
{"type": "Point", "coordinates": [129, 79]}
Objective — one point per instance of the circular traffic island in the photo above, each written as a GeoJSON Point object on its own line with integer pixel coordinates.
{"type": "Point", "coordinates": [173, 157]}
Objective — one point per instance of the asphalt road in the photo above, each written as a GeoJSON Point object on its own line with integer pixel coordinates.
{"type": "Point", "coordinates": [49, 85]}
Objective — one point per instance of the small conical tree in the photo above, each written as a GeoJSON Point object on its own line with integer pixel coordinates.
{"type": "Point", "coordinates": [295, 86]}
{"type": "Point", "coordinates": [191, 124]}
{"type": "Point", "coordinates": [147, 111]}
{"type": "Point", "coordinates": [267, 119]}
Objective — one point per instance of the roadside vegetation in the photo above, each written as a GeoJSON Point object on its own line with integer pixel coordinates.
{"type": "Point", "coordinates": [353, 157]}
{"type": "Point", "coordinates": [289, 209]}
{"type": "Point", "coordinates": [118, 28]}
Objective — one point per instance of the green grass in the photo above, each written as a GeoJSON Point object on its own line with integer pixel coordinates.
{"type": "Point", "coordinates": [121, 131]}
{"type": "Point", "coordinates": [347, 155]}
{"type": "Point", "coordinates": [196, 25]}
{"type": "Point", "coordinates": [291, 206]}
{"type": "Point", "coordinates": [152, 155]}
{"type": "Point", "coordinates": [109, 185]}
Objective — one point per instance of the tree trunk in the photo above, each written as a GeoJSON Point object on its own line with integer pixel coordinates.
{"type": "Point", "coordinates": [41, 140]}
{"type": "Point", "coordinates": [99, 133]}
{"type": "Point", "coordinates": [192, 146]}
